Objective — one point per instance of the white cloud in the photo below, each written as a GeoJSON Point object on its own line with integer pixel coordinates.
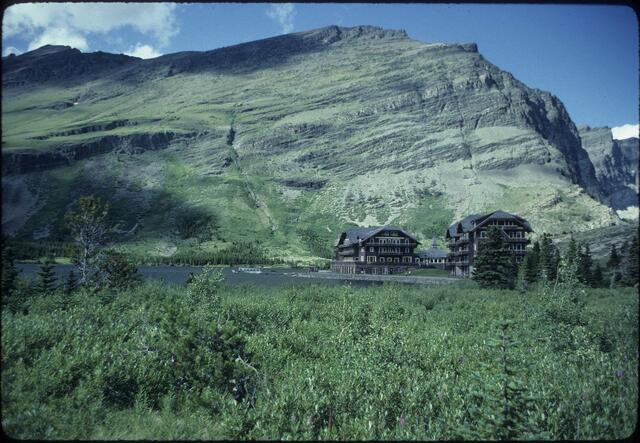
{"type": "Point", "coordinates": [11, 50]}
{"type": "Point", "coordinates": [283, 13]}
{"type": "Point", "coordinates": [143, 51]}
{"type": "Point", "coordinates": [625, 131]}
{"type": "Point", "coordinates": [59, 36]}
{"type": "Point", "coordinates": [41, 21]}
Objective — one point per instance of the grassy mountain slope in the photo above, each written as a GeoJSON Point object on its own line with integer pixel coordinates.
{"type": "Point", "coordinates": [289, 140]}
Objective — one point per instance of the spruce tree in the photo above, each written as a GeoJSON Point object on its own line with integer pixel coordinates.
{"type": "Point", "coordinates": [548, 265]}
{"type": "Point", "coordinates": [494, 265]}
{"type": "Point", "coordinates": [597, 279]}
{"type": "Point", "coordinates": [555, 263]}
{"type": "Point", "coordinates": [72, 283]}
{"type": "Point", "coordinates": [630, 274]}
{"type": "Point", "coordinates": [46, 276]}
{"type": "Point", "coordinates": [585, 262]}
{"type": "Point", "coordinates": [529, 268]}
{"type": "Point", "coordinates": [613, 266]}
{"type": "Point", "coordinates": [614, 258]}
{"type": "Point", "coordinates": [9, 271]}
{"type": "Point", "coordinates": [531, 263]}
{"type": "Point", "coordinates": [118, 270]}
{"type": "Point", "coordinates": [572, 253]}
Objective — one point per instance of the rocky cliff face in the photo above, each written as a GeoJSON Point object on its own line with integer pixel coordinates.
{"type": "Point", "coordinates": [616, 165]}
{"type": "Point", "coordinates": [312, 131]}
{"type": "Point", "coordinates": [58, 63]}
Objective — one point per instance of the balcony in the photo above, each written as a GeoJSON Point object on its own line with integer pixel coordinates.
{"type": "Point", "coordinates": [403, 245]}
{"type": "Point", "coordinates": [391, 253]}
{"type": "Point", "coordinates": [524, 241]}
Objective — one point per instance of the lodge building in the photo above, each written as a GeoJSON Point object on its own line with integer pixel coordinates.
{"type": "Point", "coordinates": [374, 250]}
{"type": "Point", "coordinates": [463, 237]}
{"type": "Point", "coordinates": [432, 257]}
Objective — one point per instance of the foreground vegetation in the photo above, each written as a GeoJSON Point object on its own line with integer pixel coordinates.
{"type": "Point", "coordinates": [210, 361]}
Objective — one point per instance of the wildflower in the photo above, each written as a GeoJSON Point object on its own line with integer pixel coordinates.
{"type": "Point", "coordinates": [584, 396]}
{"type": "Point", "coordinates": [619, 374]}
{"type": "Point", "coordinates": [402, 420]}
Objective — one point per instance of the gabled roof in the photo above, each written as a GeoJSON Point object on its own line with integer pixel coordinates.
{"type": "Point", "coordinates": [432, 253]}
{"type": "Point", "coordinates": [351, 236]}
{"type": "Point", "coordinates": [502, 215]}
{"type": "Point", "coordinates": [465, 224]}
{"type": "Point", "coordinates": [471, 222]}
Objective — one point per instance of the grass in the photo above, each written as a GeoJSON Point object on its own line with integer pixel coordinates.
{"type": "Point", "coordinates": [329, 362]}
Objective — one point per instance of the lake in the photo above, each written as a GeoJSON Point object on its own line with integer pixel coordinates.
{"type": "Point", "coordinates": [179, 274]}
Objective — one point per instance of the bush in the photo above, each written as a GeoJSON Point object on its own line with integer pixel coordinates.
{"type": "Point", "coordinates": [313, 361]}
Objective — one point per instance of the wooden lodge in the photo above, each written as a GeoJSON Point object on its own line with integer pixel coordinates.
{"type": "Point", "coordinates": [432, 257]}
{"type": "Point", "coordinates": [463, 237]}
{"type": "Point", "coordinates": [374, 250]}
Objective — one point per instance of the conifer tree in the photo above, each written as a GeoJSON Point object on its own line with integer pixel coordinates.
{"type": "Point", "coordinates": [571, 255]}
{"type": "Point", "coordinates": [548, 265]}
{"type": "Point", "coordinates": [585, 262]}
{"type": "Point", "coordinates": [72, 283]}
{"type": "Point", "coordinates": [494, 265]}
{"type": "Point", "coordinates": [118, 270]}
{"type": "Point", "coordinates": [531, 263]}
{"type": "Point", "coordinates": [630, 274]}
{"type": "Point", "coordinates": [613, 266]}
{"type": "Point", "coordinates": [614, 258]}
{"type": "Point", "coordinates": [555, 263]}
{"type": "Point", "coordinates": [46, 277]}
{"type": "Point", "coordinates": [529, 269]}
{"type": "Point", "coordinates": [9, 271]}
{"type": "Point", "coordinates": [597, 279]}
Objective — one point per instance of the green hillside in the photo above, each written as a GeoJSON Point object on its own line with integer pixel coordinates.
{"type": "Point", "coordinates": [306, 135]}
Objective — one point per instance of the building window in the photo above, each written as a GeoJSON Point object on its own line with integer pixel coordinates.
{"type": "Point", "coordinates": [371, 249]}
{"type": "Point", "coordinates": [381, 259]}
{"type": "Point", "coordinates": [371, 259]}
{"type": "Point", "coordinates": [396, 259]}
{"type": "Point", "coordinates": [483, 234]}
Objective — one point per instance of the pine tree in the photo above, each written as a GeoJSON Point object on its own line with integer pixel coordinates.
{"type": "Point", "coordinates": [572, 253]}
{"type": "Point", "coordinates": [9, 271]}
{"type": "Point", "coordinates": [614, 259]}
{"type": "Point", "coordinates": [613, 266]}
{"type": "Point", "coordinates": [46, 276]}
{"type": "Point", "coordinates": [585, 262]}
{"type": "Point", "coordinates": [555, 263]}
{"type": "Point", "coordinates": [548, 265]}
{"type": "Point", "coordinates": [531, 263]}
{"type": "Point", "coordinates": [494, 266]}
{"type": "Point", "coordinates": [597, 279]}
{"type": "Point", "coordinates": [119, 271]}
{"type": "Point", "coordinates": [72, 283]}
{"type": "Point", "coordinates": [630, 274]}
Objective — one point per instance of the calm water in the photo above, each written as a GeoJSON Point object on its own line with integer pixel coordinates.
{"type": "Point", "coordinates": [179, 274]}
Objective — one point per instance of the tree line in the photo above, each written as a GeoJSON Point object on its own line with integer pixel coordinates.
{"type": "Point", "coordinates": [495, 265]}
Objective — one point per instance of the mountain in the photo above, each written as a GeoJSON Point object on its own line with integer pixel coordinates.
{"type": "Point", "coordinates": [287, 141]}
{"type": "Point", "coordinates": [616, 165]}
{"type": "Point", "coordinates": [59, 63]}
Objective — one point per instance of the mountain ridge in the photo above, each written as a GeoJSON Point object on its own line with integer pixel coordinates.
{"type": "Point", "coordinates": [323, 129]}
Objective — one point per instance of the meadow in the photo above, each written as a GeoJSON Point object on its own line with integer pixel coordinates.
{"type": "Point", "coordinates": [212, 361]}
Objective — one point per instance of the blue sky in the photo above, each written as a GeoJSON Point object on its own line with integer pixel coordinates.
{"type": "Point", "coordinates": [587, 55]}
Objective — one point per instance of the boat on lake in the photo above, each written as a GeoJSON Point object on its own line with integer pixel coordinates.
{"type": "Point", "coordinates": [250, 270]}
